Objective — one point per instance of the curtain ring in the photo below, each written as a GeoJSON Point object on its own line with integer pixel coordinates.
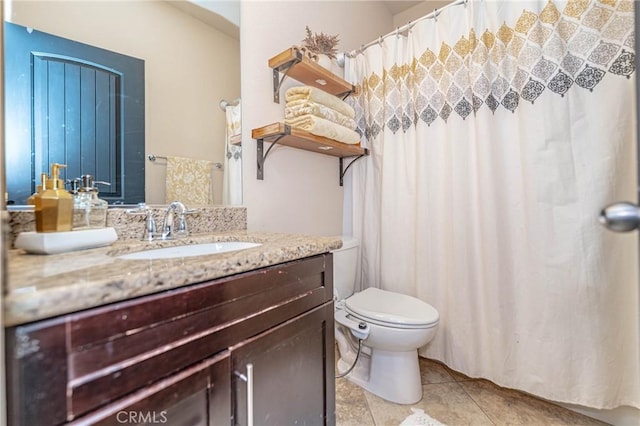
{"type": "Point", "coordinates": [380, 40]}
{"type": "Point", "coordinates": [435, 15]}
{"type": "Point", "coordinates": [397, 32]}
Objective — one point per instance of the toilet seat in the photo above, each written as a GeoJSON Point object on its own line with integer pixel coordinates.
{"type": "Point", "coordinates": [391, 309]}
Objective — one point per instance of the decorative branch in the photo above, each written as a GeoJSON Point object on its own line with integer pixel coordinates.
{"type": "Point", "coordinates": [321, 44]}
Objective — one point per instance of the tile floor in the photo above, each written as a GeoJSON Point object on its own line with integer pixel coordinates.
{"type": "Point", "coordinates": [453, 399]}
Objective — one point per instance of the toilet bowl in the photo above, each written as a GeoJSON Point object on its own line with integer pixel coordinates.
{"type": "Point", "coordinates": [390, 327]}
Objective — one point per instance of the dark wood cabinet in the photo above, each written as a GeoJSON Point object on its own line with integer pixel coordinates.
{"type": "Point", "coordinates": [174, 355]}
{"type": "Point", "coordinates": [287, 362]}
{"type": "Point", "coordinates": [197, 396]}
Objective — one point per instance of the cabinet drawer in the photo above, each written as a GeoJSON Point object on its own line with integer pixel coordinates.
{"type": "Point", "coordinates": [196, 396]}
{"type": "Point", "coordinates": [97, 356]}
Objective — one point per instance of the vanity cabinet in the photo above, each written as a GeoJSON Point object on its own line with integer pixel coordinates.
{"type": "Point", "coordinates": [286, 362]}
{"type": "Point", "coordinates": [180, 356]}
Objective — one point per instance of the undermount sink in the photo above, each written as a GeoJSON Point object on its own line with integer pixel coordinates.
{"type": "Point", "coordinates": [190, 250]}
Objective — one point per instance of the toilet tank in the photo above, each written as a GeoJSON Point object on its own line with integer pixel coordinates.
{"type": "Point", "coordinates": [345, 261]}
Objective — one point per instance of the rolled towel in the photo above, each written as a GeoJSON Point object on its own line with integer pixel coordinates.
{"type": "Point", "coordinates": [321, 127]}
{"type": "Point", "coordinates": [298, 108]}
{"type": "Point", "coordinates": [314, 94]}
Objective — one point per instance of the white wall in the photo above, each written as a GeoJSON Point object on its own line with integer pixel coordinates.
{"type": "Point", "coordinates": [300, 192]}
{"type": "Point", "coordinates": [418, 11]}
{"type": "Point", "coordinates": [189, 67]}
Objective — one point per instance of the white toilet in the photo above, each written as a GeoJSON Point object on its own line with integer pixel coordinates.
{"type": "Point", "coordinates": [391, 327]}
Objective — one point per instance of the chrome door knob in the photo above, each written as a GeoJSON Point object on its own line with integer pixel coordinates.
{"type": "Point", "coordinates": [620, 217]}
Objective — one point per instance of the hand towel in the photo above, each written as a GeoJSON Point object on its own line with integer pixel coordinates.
{"type": "Point", "coordinates": [314, 94]}
{"type": "Point", "coordinates": [321, 127]}
{"type": "Point", "coordinates": [188, 181]}
{"type": "Point", "coordinates": [295, 109]}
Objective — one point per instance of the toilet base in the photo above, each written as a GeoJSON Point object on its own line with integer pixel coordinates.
{"type": "Point", "coordinates": [394, 376]}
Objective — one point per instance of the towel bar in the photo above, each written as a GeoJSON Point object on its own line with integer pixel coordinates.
{"type": "Point", "coordinates": [153, 158]}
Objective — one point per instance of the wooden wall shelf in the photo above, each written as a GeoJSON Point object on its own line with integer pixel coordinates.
{"type": "Point", "coordinates": [294, 64]}
{"type": "Point", "coordinates": [289, 136]}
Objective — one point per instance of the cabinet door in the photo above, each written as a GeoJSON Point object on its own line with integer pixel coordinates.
{"type": "Point", "coordinates": [293, 373]}
{"type": "Point", "coordinates": [197, 396]}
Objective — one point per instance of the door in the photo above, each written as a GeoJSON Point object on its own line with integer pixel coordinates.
{"type": "Point", "coordinates": [284, 376]}
{"type": "Point", "coordinates": [624, 216]}
{"type": "Point", "coordinates": [75, 104]}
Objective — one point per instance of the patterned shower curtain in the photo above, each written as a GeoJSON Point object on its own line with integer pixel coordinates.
{"type": "Point", "coordinates": [232, 180]}
{"type": "Point", "coordinates": [497, 132]}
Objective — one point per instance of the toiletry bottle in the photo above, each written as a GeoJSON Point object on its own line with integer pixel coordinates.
{"type": "Point", "coordinates": [43, 183]}
{"type": "Point", "coordinates": [54, 205]}
{"type": "Point", "coordinates": [89, 211]}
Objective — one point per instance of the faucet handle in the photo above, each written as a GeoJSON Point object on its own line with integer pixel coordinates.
{"type": "Point", "coordinates": [142, 208]}
{"type": "Point", "coordinates": [181, 229]}
{"type": "Point", "coordinates": [150, 228]}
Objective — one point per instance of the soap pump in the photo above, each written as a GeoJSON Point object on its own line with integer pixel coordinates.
{"type": "Point", "coordinates": [43, 183]}
{"type": "Point", "coordinates": [89, 211]}
{"type": "Point", "coordinates": [54, 205]}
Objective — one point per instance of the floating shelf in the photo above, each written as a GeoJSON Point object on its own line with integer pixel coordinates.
{"type": "Point", "coordinates": [289, 136]}
{"type": "Point", "coordinates": [294, 64]}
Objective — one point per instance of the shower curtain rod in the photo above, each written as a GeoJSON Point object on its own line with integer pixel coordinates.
{"type": "Point", "coordinates": [404, 28]}
{"type": "Point", "coordinates": [225, 103]}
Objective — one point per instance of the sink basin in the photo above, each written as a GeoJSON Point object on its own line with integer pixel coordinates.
{"type": "Point", "coordinates": [190, 250]}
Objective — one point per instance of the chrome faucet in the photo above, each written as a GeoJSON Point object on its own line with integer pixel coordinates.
{"type": "Point", "coordinates": [172, 227]}
{"type": "Point", "coordinates": [168, 228]}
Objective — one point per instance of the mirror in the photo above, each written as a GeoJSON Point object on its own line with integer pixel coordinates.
{"type": "Point", "coordinates": [191, 71]}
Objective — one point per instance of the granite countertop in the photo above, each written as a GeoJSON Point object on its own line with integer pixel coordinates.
{"type": "Point", "coordinates": [44, 286]}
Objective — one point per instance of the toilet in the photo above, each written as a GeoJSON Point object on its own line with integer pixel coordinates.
{"type": "Point", "coordinates": [389, 326]}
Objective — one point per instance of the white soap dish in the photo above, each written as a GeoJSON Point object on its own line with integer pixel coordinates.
{"type": "Point", "coordinates": [62, 242]}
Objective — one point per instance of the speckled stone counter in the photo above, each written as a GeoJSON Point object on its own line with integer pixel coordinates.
{"type": "Point", "coordinates": [41, 286]}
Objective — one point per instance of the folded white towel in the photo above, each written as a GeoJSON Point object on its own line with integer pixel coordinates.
{"type": "Point", "coordinates": [321, 127]}
{"type": "Point", "coordinates": [298, 108]}
{"type": "Point", "coordinates": [314, 94]}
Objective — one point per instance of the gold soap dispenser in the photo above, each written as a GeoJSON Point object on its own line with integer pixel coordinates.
{"type": "Point", "coordinates": [54, 205]}
{"type": "Point", "coordinates": [43, 182]}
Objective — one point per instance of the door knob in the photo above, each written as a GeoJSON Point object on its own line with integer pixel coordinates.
{"type": "Point", "coordinates": [620, 217]}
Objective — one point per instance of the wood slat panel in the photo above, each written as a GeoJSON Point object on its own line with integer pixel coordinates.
{"type": "Point", "coordinates": [72, 120]}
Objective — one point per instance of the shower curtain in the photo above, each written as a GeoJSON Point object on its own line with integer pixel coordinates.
{"type": "Point", "coordinates": [497, 132]}
{"type": "Point", "coordinates": [232, 180]}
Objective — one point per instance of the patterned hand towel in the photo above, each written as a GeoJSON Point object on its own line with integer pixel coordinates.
{"type": "Point", "coordinates": [297, 108]}
{"type": "Point", "coordinates": [314, 94]}
{"type": "Point", "coordinates": [321, 127]}
{"type": "Point", "coordinates": [188, 181]}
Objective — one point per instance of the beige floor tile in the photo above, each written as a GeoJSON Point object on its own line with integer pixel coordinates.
{"type": "Point", "coordinates": [510, 407]}
{"type": "Point", "coordinates": [433, 372]}
{"type": "Point", "coordinates": [352, 408]}
{"type": "Point", "coordinates": [445, 402]}
{"type": "Point", "coordinates": [449, 374]}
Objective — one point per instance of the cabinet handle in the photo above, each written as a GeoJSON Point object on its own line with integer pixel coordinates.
{"type": "Point", "coordinates": [248, 379]}
{"type": "Point", "coordinates": [249, 394]}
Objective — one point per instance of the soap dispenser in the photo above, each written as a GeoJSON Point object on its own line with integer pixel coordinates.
{"type": "Point", "coordinates": [89, 211]}
{"type": "Point", "coordinates": [43, 183]}
{"type": "Point", "coordinates": [54, 205]}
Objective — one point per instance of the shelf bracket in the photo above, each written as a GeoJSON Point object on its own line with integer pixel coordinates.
{"type": "Point", "coordinates": [343, 169]}
{"type": "Point", "coordinates": [345, 95]}
{"type": "Point", "coordinates": [262, 156]}
{"type": "Point", "coordinates": [284, 69]}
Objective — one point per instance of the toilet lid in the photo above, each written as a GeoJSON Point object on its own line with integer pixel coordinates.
{"type": "Point", "coordinates": [393, 308]}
